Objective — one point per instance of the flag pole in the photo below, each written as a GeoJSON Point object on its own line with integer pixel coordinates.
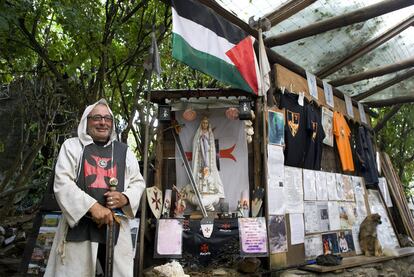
{"type": "Point", "coordinates": [143, 218]}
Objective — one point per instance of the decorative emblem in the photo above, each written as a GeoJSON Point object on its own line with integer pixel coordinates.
{"type": "Point", "coordinates": [113, 182]}
{"type": "Point", "coordinates": [207, 227]}
{"type": "Point", "coordinates": [293, 122]}
{"type": "Point", "coordinates": [204, 249]}
{"type": "Point", "coordinates": [102, 163]}
{"type": "Point", "coordinates": [100, 172]}
{"type": "Point", "coordinates": [154, 197]}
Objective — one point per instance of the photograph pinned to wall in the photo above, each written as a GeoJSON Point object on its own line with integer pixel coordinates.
{"type": "Point", "coordinates": [347, 215]}
{"type": "Point", "coordinates": [321, 187]}
{"type": "Point", "coordinates": [327, 89]}
{"type": "Point", "coordinates": [346, 241]}
{"type": "Point", "coordinates": [253, 236]}
{"type": "Point", "coordinates": [331, 185]}
{"type": "Point", "coordinates": [311, 217]}
{"type": "Point", "coordinates": [276, 127]}
{"type": "Point", "coordinates": [348, 188]}
{"type": "Point", "coordinates": [297, 227]}
{"type": "Point", "coordinates": [313, 246]}
{"type": "Point", "coordinates": [339, 186]}
{"type": "Point", "coordinates": [168, 239]}
{"type": "Point", "coordinates": [349, 107]}
{"type": "Point", "coordinates": [323, 216]}
{"type": "Point", "coordinates": [330, 243]}
{"type": "Point", "coordinates": [309, 189]}
{"type": "Point", "coordinates": [312, 85]}
{"type": "Point", "coordinates": [277, 234]}
{"type": "Point", "coordinates": [275, 181]}
{"type": "Point", "coordinates": [327, 119]}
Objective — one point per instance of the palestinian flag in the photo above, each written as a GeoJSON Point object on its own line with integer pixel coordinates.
{"type": "Point", "coordinates": [209, 43]}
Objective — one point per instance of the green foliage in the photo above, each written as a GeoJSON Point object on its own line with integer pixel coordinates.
{"type": "Point", "coordinates": [397, 139]}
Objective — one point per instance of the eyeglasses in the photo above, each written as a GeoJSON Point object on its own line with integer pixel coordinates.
{"type": "Point", "coordinates": [98, 117]}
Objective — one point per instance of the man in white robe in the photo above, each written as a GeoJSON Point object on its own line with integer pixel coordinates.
{"type": "Point", "coordinates": [78, 258]}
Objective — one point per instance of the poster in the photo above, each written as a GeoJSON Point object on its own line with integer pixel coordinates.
{"type": "Point", "coordinates": [253, 236]}
{"type": "Point", "coordinates": [277, 234]}
{"type": "Point", "coordinates": [311, 217]}
{"type": "Point", "coordinates": [331, 185]}
{"type": "Point", "coordinates": [276, 127]}
{"type": "Point", "coordinates": [327, 89]}
{"type": "Point", "coordinates": [362, 114]}
{"type": "Point", "coordinates": [320, 184]}
{"type": "Point", "coordinates": [293, 190]}
{"type": "Point", "coordinates": [312, 85]}
{"type": "Point", "coordinates": [330, 243]}
{"type": "Point", "coordinates": [385, 231]}
{"type": "Point", "coordinates": [339, 186]}
{"type": "Point", "coordinates": [348, 188]}
{"type": "Point", "coordinates": [309, 189]}
{"type": "Point", "coordinates": [349, 107]}
{"type": "Point", "coordinates": [43, 244]}
{"type": "Point", "coordinates": [347, 215]}
{"type": "Point", "coordinates": [359, 192]}
{"type": "Point", "coordinates": [327, 125]}
{"type": "Point", "coordinates": [323, 216]}
{"type": "Point", "coordinates": [334, 220]}
{"type": "Point", "coordinates": [313, 246]}
{"type": "Point", "coordinates": [382, 184]}
{"type": "Point", "coordinates": [275, 182]}
{"type": "Point", "coordinates": [169, 238]}
{"type": "Point", "coordinates": [297, 227]}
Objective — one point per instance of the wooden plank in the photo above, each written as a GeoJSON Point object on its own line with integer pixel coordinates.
{"type": "Point", "coordinates": [159, 157]}
{"type": "Point", "coordinates": [295, 83]}
{"type": "Point", "coordinates": [287, 10]}
{"type": "Point", "coordinates": [376, 72]}
{"type": "Point", "coordinates": [360, 260]}
{"type": "Point", "coordinates": [346, 19]}
{"type": "Point", "coordinates": [390, 102]}
{"type": "Point", "coordinates": [366, 47]}
{"type": "Point", "coordinates": [386, 84]}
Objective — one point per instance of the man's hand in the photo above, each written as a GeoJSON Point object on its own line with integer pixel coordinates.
{"type": "Point", "coordinates": [100, 214]}
{"type": "Point", "coordinates": [115, 199]}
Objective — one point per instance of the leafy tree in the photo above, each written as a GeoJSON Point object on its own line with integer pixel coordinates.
{"type": "Point", "coordinates": [70, 53]}
{"type": "Point", "coordinates": [397, 139]}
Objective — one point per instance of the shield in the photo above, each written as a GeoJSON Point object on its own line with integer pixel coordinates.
{"type": "Point", "coordinates": [154, 197]}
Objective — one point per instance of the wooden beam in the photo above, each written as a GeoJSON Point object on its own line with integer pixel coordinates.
{"type": "Point", "coordinates": [387, 117]}
{"type": "Point", "coordinates": [339, 21]}
{"type": "Point", "coordinates": [379, 71]}
{"type": "Point", "coordinates": [366, 47]}
{"type": "Point", "coordinates": [390, 102]}
{"type": "Point", "coordinates": [385, 85]}
{"type": "Point", "coordinates": [287, 10]}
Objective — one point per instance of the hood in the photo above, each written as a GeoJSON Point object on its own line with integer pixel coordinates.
{"type": "Point", "coordinates": [82, 135]}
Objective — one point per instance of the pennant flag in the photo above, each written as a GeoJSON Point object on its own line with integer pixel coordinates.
{"type": "Point", "coordinates": [264, 84]}
{"type": "Point", "coordinates": [209, 43]}
{"type": "Point", "coordinates": [156, 63]}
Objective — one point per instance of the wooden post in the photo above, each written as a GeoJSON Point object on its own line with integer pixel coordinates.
{"type": "Point", "coordinates": [287, 10]}
{"type": "Point", "coordinates": [359, 15]}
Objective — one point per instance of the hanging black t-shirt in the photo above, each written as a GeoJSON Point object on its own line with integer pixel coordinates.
{"type": "Point", "coordinates": [295, 133]}
{"type": "Point", "coordinates": [315, 135]}
{"type": "Point", "coordinates": [366, 157]}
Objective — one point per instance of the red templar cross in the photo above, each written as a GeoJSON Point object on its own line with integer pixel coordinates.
{"type": "Point", "coordinates": [100, 172]}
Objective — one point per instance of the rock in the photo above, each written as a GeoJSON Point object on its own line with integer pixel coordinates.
{"type": "Point", "coordinates": [173, 269]}
{"type": "Point", "coordinates": [249, 265]}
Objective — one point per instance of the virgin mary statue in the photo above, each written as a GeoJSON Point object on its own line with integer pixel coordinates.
{"type": "Point", "coordinates": [205, 170]}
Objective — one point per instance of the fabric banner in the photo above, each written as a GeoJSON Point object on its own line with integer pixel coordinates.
{"type": "Point", "coordinates": [232, 145]}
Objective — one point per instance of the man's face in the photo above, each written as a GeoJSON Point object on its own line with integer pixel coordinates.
{"type": "Point", "coordinates": [100, 123]}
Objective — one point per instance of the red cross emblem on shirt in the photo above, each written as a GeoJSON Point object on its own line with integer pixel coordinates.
{"type": "Point", "coordinates": [100, 172]}
{"type": "Point", "coordinates": [204, 248]}
{"type": "Point", "coordinates": [225, 226]}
